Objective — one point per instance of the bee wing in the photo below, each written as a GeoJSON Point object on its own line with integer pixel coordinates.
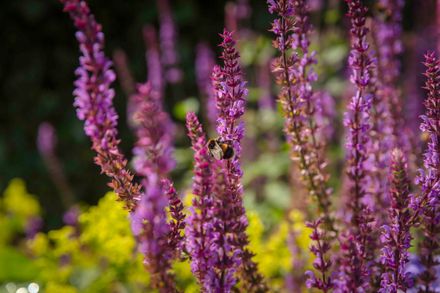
{"type": "Point", "coordinates": [216, 152]}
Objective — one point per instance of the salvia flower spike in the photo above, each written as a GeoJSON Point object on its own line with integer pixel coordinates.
{"type": "Point", "coordinates": [151, 231]}
{"type": "Point", "coordinates": [94, 102]}
{"type": "Point", "coordinates": [231, 95]}
{"type": "Point", "coordinates": [199, 229]}
{"type": "Point", "coordinates": [396, 237]}
{"type": "Point", "coordinates": [356, 243]}
{"type": "Point", "coordinates": [295, 76]}
{"type": "Point", "coordinates": [427, 206]}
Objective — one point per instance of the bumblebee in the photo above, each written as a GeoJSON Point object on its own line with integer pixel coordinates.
{"type": "Point", "coordinates": [220, 150]}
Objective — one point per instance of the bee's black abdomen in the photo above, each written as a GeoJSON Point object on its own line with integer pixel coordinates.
{"type": "Point", "coordinates": [228, 153]}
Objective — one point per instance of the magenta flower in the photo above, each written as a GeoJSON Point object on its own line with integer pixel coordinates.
{"type": "Point", "coordinates": [199, 230]}
{"type": "Point", "coordinates": [93, 100]}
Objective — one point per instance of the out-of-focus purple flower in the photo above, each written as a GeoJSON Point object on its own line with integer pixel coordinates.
{"type": "Point", "coordinates": [151, 230]}
{"type": "Point", "coordinates": [231, 16]}
{"type": "Point", "coordinates": [33, 226]}
{"type": "Point", "coordinates": [388, 31]}
{"type": "Point", "coordinates": [155, 134]}
{"type": "Point", "coordinates": [319, 248]}
{"type": "Point", "coordinates": [295, 75]}
{"type": "Point", "coordinates": [244, 10]}
{"type": "Point", "coordinates": [93, 100]}
{"type": "Point", "coordinates": [152, 56]}
{"type": "Point", "coordinates": [388, 127]}
{"type": "Point", "coordinates": [231, 93]}
{"type": "Point", "coordinates": [199, 230]}
{"type": "Point", "coordinates": [356, 244]}
{"type": "Point", "coordinates": [396, 237]}
{"type": "Point", "coordinates": [325, 116]}
{"type": "Point", "coordinates": [71, 216]}
{"type": "Point", "coordinates": [124, 74]}
{"type": "Point", "coordinates": [158, 240]}
{"type": "Point", "coordinates": [266, 99]}
{"type": "Point", "coordinates": [168, 37]}
{"type": "Point", "coordinates": [305, 75]}
{"type": "Point", "coordinates": [294, 281]}
{"type": "Point", "coordinates": [46, 143]}
{"type": "Point", "coordinates": [237, 15]}
{"type": "Point", "coordinates": [46, 139]}
{"type": "Point", "coordinates": [204, 65]}
{"type": "Point", "coordinates": [428, 204]}
{"type": "Point", "coordinates": [126, 81]}
{"type": "Point", "coordinates": [315, 5]}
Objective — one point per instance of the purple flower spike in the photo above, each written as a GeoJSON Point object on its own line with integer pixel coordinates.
{"type": "Point", "coordinates": [388, 31]}
{"type": "Point", "coordinates": [224, 258]}
{"type": "Point", "coordinates": [204, 65]}
{"type": "Point", "coordinates": [152, 232]}
{"type": "Point", "coordinates": [199, 230]}
{"type": "Point", "coordinates": [320, 247]}
{"type": "Point", "coordinates": [155, 134]}
{"type": "Point", "coordinates": [159, 241]}
{"type": "Point", "coordinates": [177, 222]}
{"type": "Point", "coordinates": [396, 237]}
{"type": "Point", "coordinates": [209, 228]}
{"type": "Point", "coordinates": [154, 66]}
{"type": "Point", "coordinates": [168, 37]}
{"type": "Point", "coordinates": [93, 100]}
{"type": "Point", "coordinates": [427, 206]}
{"type": "Point", "coordinates": [294, 73]}
{"type": "Point", "coordinates": [357, 244]}
{"type": "Point", "coordinates": [124, 73]}
{"type": "Point", "coordinates": [231, 93]}
{"type": "Point", "coordinates": [46, 139]}
{"type": "Point", "coordinates": [388, 127]}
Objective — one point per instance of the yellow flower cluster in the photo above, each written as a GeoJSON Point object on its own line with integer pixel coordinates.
{"type": "Point", "coordinates": [97, 256]}
{"type": "Point", "coordinates": [16, 207]}
{"type": "Point", "coordinates": [274, 246]}
{"type": "Point", "coordinates": [100, 254]}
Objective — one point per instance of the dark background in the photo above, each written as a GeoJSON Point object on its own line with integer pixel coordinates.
{"type": "Point", "coordinates": [38, 56]}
